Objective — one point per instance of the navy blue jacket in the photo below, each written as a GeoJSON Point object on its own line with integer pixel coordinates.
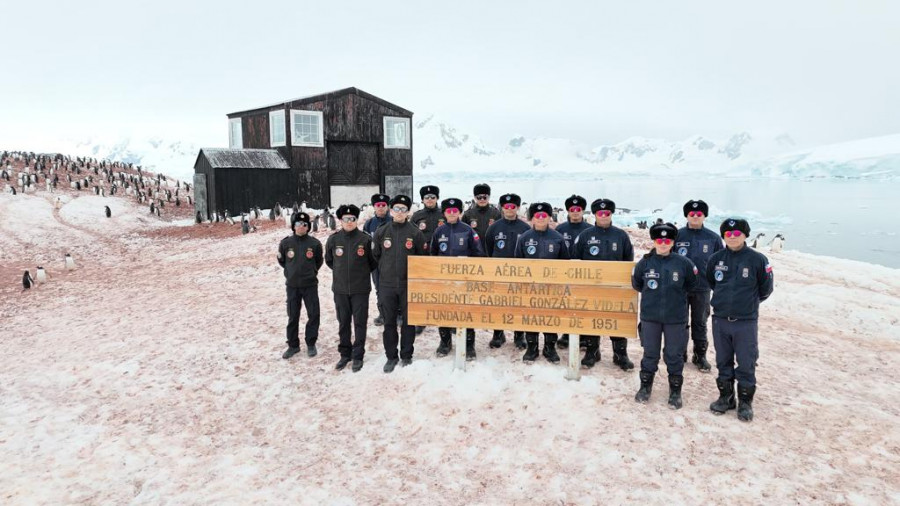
{"type": "Point", "coordinates": [698, 245]}
{"type": "Point", "coordinates": [500, 241]}
{"type": "Point", "coordinates": [740, 280]}
{"type": "Point", "coordinates": [664, 283]}
{"type": "Point", "coordinates": [570, 231]}
{"type": "Point", "coordinates": [455, 240]}
{"type": "Point", "coordinates": [428, 220]}
{"type": "Point", "coordinates": [548, 244]}
{"type": "Point", "coordinates": [374, 223]}
{"type": "Point", "coordinates": [598, 243]}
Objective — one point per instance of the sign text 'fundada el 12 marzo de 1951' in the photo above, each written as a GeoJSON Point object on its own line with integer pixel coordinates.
{"type": "Point", "coordinates": [562, 296]}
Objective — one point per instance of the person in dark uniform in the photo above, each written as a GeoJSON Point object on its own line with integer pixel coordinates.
{"type": "Point", "coordinates": [606, 242]}
{"type": "Point", "coordinates": [394, 244]}
{"type": "Point", "coordinates": [482, 214]}
{"type": "Point", "coordinates": [455, 239]}
{"type": "Point", "coordinates": [428, 219]}
{"type": "Point", "coordinates": [740, 278]}
{"type": "Point", "coordinates": [300, 255]}
{"type": "Point", "coordinates": [500, 242]}
{"type": "Point", "coordinates": [380, 204]}
{"type": "Point", "coordinates": [698, 243]}
{"type": "Point", "coordinates": [544, 243]}
{"type": "Point", "coordinates": [574, 225]}
{"type": "Point", "coordinates": [348, 252]}
{"type": "Point", "coordinates": [664, 281]}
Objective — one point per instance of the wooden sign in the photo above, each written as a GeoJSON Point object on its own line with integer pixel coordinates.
{"type": "Point", "coordinates": [560, 296]}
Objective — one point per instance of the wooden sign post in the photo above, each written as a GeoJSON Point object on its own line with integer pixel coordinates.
{"type": "Point", "coordinates": [559, 296]}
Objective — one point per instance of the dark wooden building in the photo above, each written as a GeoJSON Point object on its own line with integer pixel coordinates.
{"type": "Point", "coordinates": [235, 180]}
{"type": "Point", "coordinates": [341, 146]}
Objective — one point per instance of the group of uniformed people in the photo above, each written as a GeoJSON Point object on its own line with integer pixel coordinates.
{"type": "Point", "coordinates": [675, 280]}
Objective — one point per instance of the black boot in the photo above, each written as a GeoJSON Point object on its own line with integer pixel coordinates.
{"type": "Point", "coordinates": [470, 347]}
{"type": "Point", "coordinates": [357, 365]}
{"type": "Point", "coordinates": [591, 353]}
{"type": "Point", "coordinates": [563, 342]}
{"type": "Point", "coordinates": [726, 397]}
{"type": "Point", "coordinates": [290, 352]}
{"type": "Point", "coordinates": [498, 340]}
{"type": "Point", "coordinates": [390, 365]}
{"type": "Point", "coordinates": [620, 355]}
{"type": "Point", "coordinates": [519, 339]}
{"type": "Point", "coordinates": [675, 383]}
{"type": "Point", "coordinates": [745, 403]}
{"type": "Point", "coordinates": [531, 352]}
{"type": "Point", "coordinates": [420, 329]}
{"type": "Point", "coordinates": [342, 363]}
{"type": "Point", "coordinates": [444, 348]}
{"type": "Point", "coordinates": [699, 358]}
{"type": "Point", "coordinates": [643, 394]}
{"type": "Point", "coordinates": [549, 351]}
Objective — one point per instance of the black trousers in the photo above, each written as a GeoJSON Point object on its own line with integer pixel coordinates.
{"type": "Point", "coordinates": [698, 304]}
{"type": "Point", "coordinates": [653, 335]}
{"type": "Point", "coordinates": [352, 308]}
{"type": "Point", "coordinates": [736, 340]}
{"type": "Point", "coordinates": [296, 297]}
{"type": "Point", "coordinates": [393, 302]}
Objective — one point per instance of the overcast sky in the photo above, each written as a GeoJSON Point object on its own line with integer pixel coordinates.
{"type": "Point", "coordinates": [596, 71]}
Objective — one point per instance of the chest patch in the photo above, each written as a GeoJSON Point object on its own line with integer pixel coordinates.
{"type": "Point", "coordinates": [652, 284]}
{"type": "Point", "coordinates": [387, 244]}
{"type": "Point", "coordinates": [409, 243]}
{"type": "Point", "coordinates": [339, 251]}
{"type": "Point", "coordinates": [443, 246]}
{"type": "Point", "coordinates": [422, 225]}
{"type": "Point", "coordinates": [595, 250]}
{"type": "Point", "coordinates": [745, 273]}
{"type": "Point", "coordinates": [706, 248]}
{"type": "Point", "coordinates": [615, 246]}
{"type": "Point", "coordinates": [719, 275]}
{"type": "Point", "coordinates": [360, 251]}
{"type": "Point", "coordinates": [674, 276]}
{"type": "Point", "coordinates": [531, 250]}
{"type": "Point", "coordinates": [474, 223]}
{"type": "Point", "coordinates": [309, 253]}
{"type": "Point", "coordinates": [500, 244]}
{"type": "Point", "coordinates": [290, 253]}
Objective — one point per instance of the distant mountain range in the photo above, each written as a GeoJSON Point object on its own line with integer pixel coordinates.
{"type": "Point", "coordinates": [441, 148]}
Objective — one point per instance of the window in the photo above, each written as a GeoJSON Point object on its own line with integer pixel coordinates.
{"type": "Point", "coordinates": [276, 128]}
{"type": "Point", "coordinates": [396, 132]}
{"type": "Point", "coordinates": [235, 138]}
{"type": "Point", "coordinates": [306, 128]}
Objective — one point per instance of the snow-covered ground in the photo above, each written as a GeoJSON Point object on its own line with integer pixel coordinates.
{"type": "Point", "coordinates": [153, 373]}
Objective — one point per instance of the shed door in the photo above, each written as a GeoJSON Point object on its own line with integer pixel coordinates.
{"type": "Point", "coordinates": [353, 163]}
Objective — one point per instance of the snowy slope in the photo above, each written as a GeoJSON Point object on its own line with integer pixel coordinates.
{"type": "Point", "coordinates": [878, 157]}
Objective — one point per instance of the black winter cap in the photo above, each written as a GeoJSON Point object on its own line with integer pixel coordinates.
{"type": "Point", "coordinates": [380, 197]}
{"type": "Point", "coordinates": [403, 200]}
{"type": "Point", "coordinates": [663, 231]}
{"type": "Point", "coordinates": [300, 218]}
{"type": "Point", "coordinates": [511, 198]}
{"type": "Point", "coordinates": [576, 200]}
{"type": "Point", "coordinates": [603, 205]}
{"type": "Point", "coordinates": [429, 190]}
{"type": "Point", "coordinates": [481, 189]}
{"type": "Point", "coordinates": [696, 205]}
{"type": "Point", "coordinates": [734, 224]}
{"type": "Point", "coordinates": [451, 202]}
{"type": "Point", "coordinates": [539, 207]}
{"type": "Point", "coordinates": [346, 209]}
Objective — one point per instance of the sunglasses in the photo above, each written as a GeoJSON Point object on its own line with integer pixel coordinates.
{"type": "Point", "coordinates": [452, 210]}
{"type": "Point", "coordinates": [302, 224]}
{"type": "Point", "coordinates": [663, 241]}
{"type": "Point", "coordinates": [399, 209]}
{"type": "Point", "coordinates": [510, 207]}
{"type": "Point", "coordinates": [604, 214]}
{"type": "Point", "coordinates": [429, 197]}
{"type": "Point", "coordinates": [575, 209]}
{"type": "Point", "coordinates": [733, 233]}
{"type": "Point", "coordinates": [695, 214]}
{"type": "Point", "coordinates": [541, 215]}
{"type": "Point", "coordinates": [380, 204]}
{"type": "Point", "coordinates": [348, 219]}
{"type": "Point", "coordinates": [482, 197]}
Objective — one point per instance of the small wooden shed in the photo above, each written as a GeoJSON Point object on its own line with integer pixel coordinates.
{"type": "Point", "coordinates": [236, 180]}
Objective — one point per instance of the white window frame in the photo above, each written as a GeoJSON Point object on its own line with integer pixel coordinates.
{"type": "Point", "coordinates": [316, 114]}
{"type": "Point", "coordinates": [232, 142]}
{"type": "Point", "coordinates": [272, 115]}
{"type": "Point", "coordinates": [408, 133]}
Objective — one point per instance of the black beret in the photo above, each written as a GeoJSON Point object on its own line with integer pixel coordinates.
{"type": "Point", "coordinates": [734, 224]}
{"type": "Point", "coordinates": [539, 207]}
{"type": "Point", "coordinates": [402, 200]}
{"type": "Point", "coordinates": [576, 200]}
{"type": "Point", "coordinates": [380, 197]}
{"type": "Point", "coordinates": [511, 198]}
{"type": "Point", "coordinates": [298, 218]}
{"type": "Point", "coordinates": [663, 231]}
{"type": "Point", "coordinates": [482, 189]}
{"type": "Point", "coordinates": [429, 190]}
{"type": "Point", "coordinates": [603, 205]}
{"type": "Point", "coordinates": [696, 205]}
{"type": "Point", "coordinates": [451, 202]}
{"type": "Point", "coordinates": [346, 209]}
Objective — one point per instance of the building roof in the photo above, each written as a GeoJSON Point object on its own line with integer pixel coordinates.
{"type": "Point", "coordinates": [328, 96]}
{"type": "Point", "coordinates": [243, 158]}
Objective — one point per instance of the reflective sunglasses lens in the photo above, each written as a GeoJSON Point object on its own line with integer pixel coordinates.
{"type": "Point", "coordinates": [509, 206]}
{"type": "Point", "coordinates": [348, 219]}
{"type": "Point", "coordinates": [541, 215]}
{"type": "Point", "coordinates": [575, 209]}
{"type": "Point", "coordinates": [399, 209]}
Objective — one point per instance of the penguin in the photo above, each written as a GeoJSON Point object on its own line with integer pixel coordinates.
{"type": "Point", "coordinates": [96, 190]}
{"type": "Point", "coordinates": [330, 220]}
{"type": "Point", "coordinates": [157, 212]}
{"type": "Point", "coordinates": [278, 208]}
{"type": "Point", "coordinates": [199, 218]}
{"type": "Point", "coordinates": [777, 244]}
{"type": "Point", "coordinates": [177, 202]}
{"type": "Point", "coordinates": [272, 214]}
{"type": "Point", "coordinates": [152, 208]}
{"type": "Point", "coordinates": [70, 262]}
{"type": "Point", "coordinates": [228, 218]}
{"type": "Point", "coordinates": [13, 189]}
{"type": "Point", "coordinates": [108, 212]}
{"type": "Point", "coordinates": [27, 281]}
{"type": "Point", "coordinates": [40, 275]}
{"type": "Point", "coordinates": [287, 219]}
{"type": "Point", "coordinates": [755, 242]}
{"type": "Point", "coordinates": [245, 225]}
{"type": "Point", "coordinates": [190, 202]}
